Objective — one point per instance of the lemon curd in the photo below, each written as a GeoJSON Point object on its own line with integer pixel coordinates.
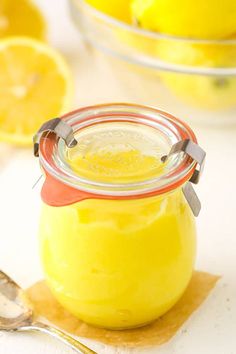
{"type": "Point", "coordinates": [118, 262]}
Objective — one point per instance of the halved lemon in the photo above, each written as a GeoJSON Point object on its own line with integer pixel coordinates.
{"type": "Point", "coordinates": [21, 18]}
{"type": "Point", "coordinates": [35, 85]}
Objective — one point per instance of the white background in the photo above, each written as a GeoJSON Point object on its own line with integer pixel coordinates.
{"type": "Point", "coordinates": [212, 329]}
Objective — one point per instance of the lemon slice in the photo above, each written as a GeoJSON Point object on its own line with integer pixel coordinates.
{"type": "Point", "coordinates": [35, 85]}
{"type": "Point", "coordinates": [21, 18]}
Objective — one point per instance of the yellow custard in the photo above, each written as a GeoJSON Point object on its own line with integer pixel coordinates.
{"type": "Point", "coordinates": [118, 263]}
{"type": "Point", "coordinates": [116, 166]}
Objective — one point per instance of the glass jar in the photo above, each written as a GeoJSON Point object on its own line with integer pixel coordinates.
{"type": "Point", "coordinates": [117, 234]}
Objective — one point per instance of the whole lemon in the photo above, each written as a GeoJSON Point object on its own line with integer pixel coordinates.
{"type": "Point", "coordinates": [117, 9]}
{"type": "Point", "coordinates": [211, 92]}
{"type": "Point", "coordinates": [21, 18]}
{"type": "Point", "coordinates": [197, 19]}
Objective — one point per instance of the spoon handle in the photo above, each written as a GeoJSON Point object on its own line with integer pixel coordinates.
{"type": "Point", "coordinates": [54, 332]}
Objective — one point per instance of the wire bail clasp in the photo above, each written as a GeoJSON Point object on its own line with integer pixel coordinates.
{"type": "Point", "coordinates": [60, 128]}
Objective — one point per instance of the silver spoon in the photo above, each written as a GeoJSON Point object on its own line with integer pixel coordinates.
{"type": "Point", "coordinates": [16, 315]}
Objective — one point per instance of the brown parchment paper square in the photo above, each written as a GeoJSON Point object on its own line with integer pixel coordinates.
{"type": "Point", "coordinates": [156, 333]}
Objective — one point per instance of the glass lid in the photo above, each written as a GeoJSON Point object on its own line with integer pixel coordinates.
{"type": "Point", "coordinates": [119, 150]}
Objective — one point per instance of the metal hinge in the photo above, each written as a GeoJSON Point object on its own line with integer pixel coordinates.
{"type": "Point", "coordinates": [60, 128]}
{"type": "Point", "coordinates": [194, 151]}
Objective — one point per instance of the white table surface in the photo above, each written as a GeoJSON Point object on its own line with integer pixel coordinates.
{"type": "Point", "coordinates": [212, 329]}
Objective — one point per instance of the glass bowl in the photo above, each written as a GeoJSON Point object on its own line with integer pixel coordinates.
{"type": "Point", "coordinates": [194, 79]}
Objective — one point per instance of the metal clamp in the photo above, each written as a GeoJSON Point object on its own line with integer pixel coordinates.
{"type": "Point", "coordinates": [192, 198]}
{"type": "Point", "coordinates": [60, 128]}
{"type": "Point", "coordinates": [194, 151]}
{"type": "Point", "coordinates": [198, 155]}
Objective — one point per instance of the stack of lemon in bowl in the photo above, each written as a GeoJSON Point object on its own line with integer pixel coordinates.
{"type": "Point", "coordinates": [35, 81]}
{"type": "Point", "coordinates": [192, 37]}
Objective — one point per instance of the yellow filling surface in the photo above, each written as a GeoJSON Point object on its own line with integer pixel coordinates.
{"type": "Point", "coordinates": [118, 263]}
{"type": "Point", "coordinates": [129, 165]}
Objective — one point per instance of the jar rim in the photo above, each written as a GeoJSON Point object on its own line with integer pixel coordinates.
{"type": "Point", "coordinates": [173, 128]}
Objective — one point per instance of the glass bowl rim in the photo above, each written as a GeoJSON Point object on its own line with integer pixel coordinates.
{"type": "Point", "coordinates": [82, 8]}
{"type": "Point", "coordinates": [148, 33]}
